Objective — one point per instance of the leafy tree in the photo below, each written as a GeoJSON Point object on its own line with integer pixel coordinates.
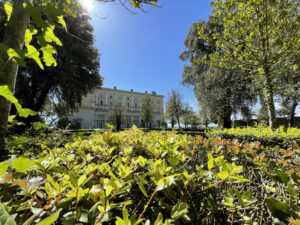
{"type": "Point", "coordinates": [259, 36]}
{"type": "Point", "coordinates": [204, 116]}
{"type": "Point", "coordinates": [174, 107]}
{"type": "Point", "coordinates": [117, 115]}
{"type": "Point", "coordinates": [146, 110]}
{"type": "Point", "coordinates": [189, 117]}
{"type": "Point", "coordinates": [221, 91]}
{"type": "Point", "coordinates": [76, 73]}
{"type": "Point", "coordinates": [24, 18]}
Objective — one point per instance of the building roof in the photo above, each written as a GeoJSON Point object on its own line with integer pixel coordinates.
{"type": "Point", "coordinates": [153, 93]}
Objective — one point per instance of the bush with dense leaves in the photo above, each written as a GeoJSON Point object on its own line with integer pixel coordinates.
{"type": "Point", "coordinates": [158, 177]}
{"type": "Point", "coordinates": [283, 136]}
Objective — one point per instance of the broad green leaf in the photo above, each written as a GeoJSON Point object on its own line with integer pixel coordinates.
{"type": "Point", "coordinates": [3, 167]}
{"type": "Point", "coordinates": [210, 163]}
{"type": "Point", "coordinates": [39, 125]}
{"type": "Point", "coordinates": [5, 218]}
{"type": "Point", "coordinates": [50, 36]}
{"type": "Point", "coordinates": [51, 219]}
{"type": "Point", "coordinates": [48, 52]}
{"type": "Point", "coordinates": [23, 112]}
{"type": "Point", "coordinates": [34, 54]}
{"type": "Point", "coordinates": [8, 9]}
{"type": "Point", "coordinates": [279, 209]}
{"type": "Point", "coordinates": [223, 175]}
{"type": "Point", "coordinates": [22, 164]}
{"type": "Point", "coordinates": [164, 183]}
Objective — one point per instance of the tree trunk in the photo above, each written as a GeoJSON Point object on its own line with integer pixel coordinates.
{"type": "Point", "coordinates": [292, 113]}
{"type": "Point", "coordinates": [13, 38]}
{"type": "Point", "coordinates": [270, 101]}
{"type": "Point", "coordinates": [178, 121]}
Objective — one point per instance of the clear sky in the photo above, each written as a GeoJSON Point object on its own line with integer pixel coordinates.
{"type": "Point", "coordinates": [141, 51]}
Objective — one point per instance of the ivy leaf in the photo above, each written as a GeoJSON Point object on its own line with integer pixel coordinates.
{"type": "Point", "coordinates": [51, 219]}
{"type": "Point", "coordinates": [5, 218]}
{"type": "Point", "coordinates": [22, 164]}
{"type": "Point", "coordinates": [8, 9]}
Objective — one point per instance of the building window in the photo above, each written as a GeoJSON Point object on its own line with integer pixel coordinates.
{"type": "Point", "coordinates": [128, 104]}
{"type": "Point", "coordinates": [135, 105]}
{"type": "Point", "coordinates": [127, 98]}
{"type": "Point", "coordinates": [110, 97]}
{"type": "Point", "coordinates": [101, 102]}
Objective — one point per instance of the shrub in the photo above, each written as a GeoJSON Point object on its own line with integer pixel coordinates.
{"type": "Point", "coordinates": [132, 177]}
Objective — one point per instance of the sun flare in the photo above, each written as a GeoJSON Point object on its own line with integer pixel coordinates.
{"type": "Point", "coordinates": [87, 4]}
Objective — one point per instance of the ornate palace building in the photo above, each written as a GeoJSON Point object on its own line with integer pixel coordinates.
{"type": "Point", "coordinates": [96, 107]}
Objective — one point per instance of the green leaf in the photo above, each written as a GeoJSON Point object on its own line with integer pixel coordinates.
{"type": "Point", "coordinates": [62, 21]}
{"type": "Point", "coordinates": [210, 163]}
{"type": "Point", "coordinates": [22, 164]}
{"type": "Point", "coordinates": [8, 9]}
{"type": "Point", "coordinates": [23, 112]}
{"type": "Point", "coordinates": [159, 220]}
{"type": "Point", "coordinates": [280, 210]}
{"type": "Point", "coordinates": [50, 36]}
{"type": "Point", "coordinates": [142, 161]}
{"type": "Point", "coordinates": [81, 179]}
{"type": "Point", "coordinates": [142, 188]}
{"type": "Point", "coordinates": [246, 198]}
{"type": "Point", "coordinates": [229, 197]}
{"type": "Point", "coordinates": [30, 220]}
{"type": "Point", "coordinates": [5, 218]}
{"type": "Point", "coordinates": [223, 175]}
{"type": "Point", "coordinates": [34, 54]}
{"type": "Point", "coordinates": [179, 210]}
{"type": "Point", "coordinates": [3, 167]}
{"type": "Point", "coordinates": [39, 125]}
{"type": "Point", "coordinates": [51, 219]}
{"type": "Point", "coordinates": [48, 52]}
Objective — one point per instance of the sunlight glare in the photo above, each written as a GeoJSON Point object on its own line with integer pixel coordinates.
{"type": "Point", "coordinates": [87, 4]}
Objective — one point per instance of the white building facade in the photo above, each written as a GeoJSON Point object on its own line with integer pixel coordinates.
{"type": "Point", "coordinates": [95, 108]}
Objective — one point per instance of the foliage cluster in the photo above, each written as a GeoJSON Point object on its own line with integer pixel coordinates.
{"type": "Point", "coordinates": [132, 177]}
{"type": "Point", "coordinates": [281, 136]}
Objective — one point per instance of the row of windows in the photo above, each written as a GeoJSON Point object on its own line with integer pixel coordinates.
{"type": "Point", "coordinates": [120, 97]}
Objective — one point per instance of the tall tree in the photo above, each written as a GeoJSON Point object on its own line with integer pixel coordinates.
{"type": "Point", "coordinates": [24, 17]}
{"type": "Point", "coordinates": [146, 110]}
{"type": "Point", "coordinates": [117, 115]}
{"type": "Point", "coordinates": [221, 91]}
{"type": "Point", "coordinates": [76, 73]}
{"type": "Point", "coordinates": [259, 36]}
{"type": "Point", "coordinates": [174, 106]}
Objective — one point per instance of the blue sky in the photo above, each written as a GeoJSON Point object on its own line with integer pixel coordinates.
{"type": "Point", "coordinates": [141, 51]}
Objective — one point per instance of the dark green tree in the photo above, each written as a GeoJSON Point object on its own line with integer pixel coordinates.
{"type": "Point", "coordinates": [221, 91]}
{"type": "Point", "coordinates": [258, 36]}
{"type": "Point", "coordinates": [117, 115]}
{"type": "Point", "coordinates": [76, 73]}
